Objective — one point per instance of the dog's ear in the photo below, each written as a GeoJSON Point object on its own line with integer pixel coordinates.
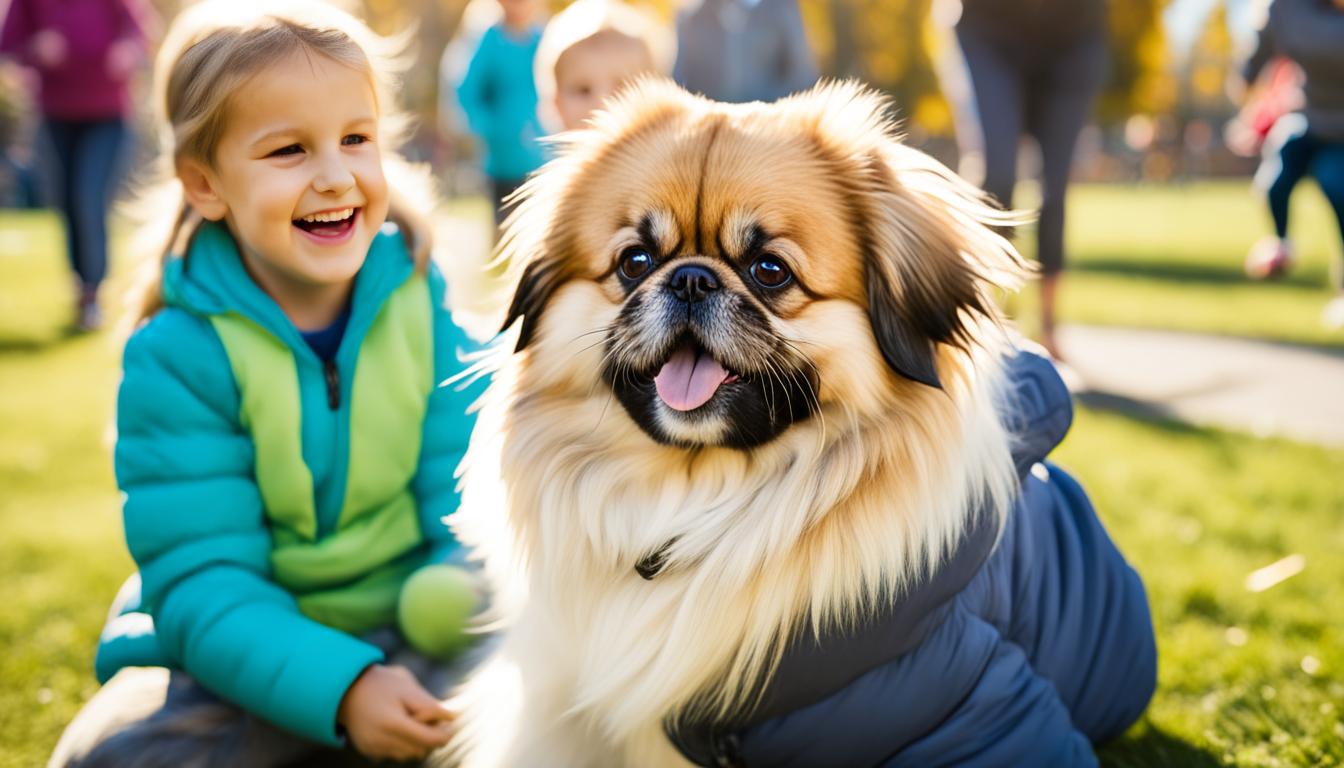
{"type": "Point", "coordinates": [931, 249]}
{"type": "Point", "coordinates": [539, 280]}
{"type": "Point", "coordinates": [533, 239]}
{"type": "Point", "coordinates": [907, 325]}
{"type": "Point", "coordinates": [934, 253]}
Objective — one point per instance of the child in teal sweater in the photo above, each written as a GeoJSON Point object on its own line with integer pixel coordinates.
{"type": "Point", "coordinates": [499, 97]}
{"type": "Point", "coordinates": [285, 447]}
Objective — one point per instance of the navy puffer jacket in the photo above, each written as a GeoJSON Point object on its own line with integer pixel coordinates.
{"type": "Point", "coordinates": [1024, 649]}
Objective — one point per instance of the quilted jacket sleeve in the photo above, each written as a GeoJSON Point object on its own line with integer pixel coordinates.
{"type": "Point", "coordinates": [195, 526]}
{"type": "Point", "coordinates": [981, 705]}
{"type": "Point", "coordinates": [448, 424]}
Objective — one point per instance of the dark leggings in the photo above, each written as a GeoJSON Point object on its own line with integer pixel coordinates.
{"type": "Point", "coordinates": [84, 163]}
{"type": "Point", "coordinates": [499, 190]}
{"type": "Point", "coordinates": [1294, 154]}
{"type": "Point", "coordinates": [1020, 88]}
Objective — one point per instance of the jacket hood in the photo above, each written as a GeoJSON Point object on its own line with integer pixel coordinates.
{"type": "Point", "coordinates": [1037, 408]}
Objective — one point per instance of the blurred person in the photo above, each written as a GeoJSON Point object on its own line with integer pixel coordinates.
{"type": "Point", "coordinates": [284, 453]}
{"type": "Point", "coordinates": [85, 53]}
{"type": "Point", "coordinates": [499, 97]}
{"type": "Point", "coordinates": [743, 50]}
{"type": "Point", "coordinates": [588, 52]}
{"type": "Point", "coordinates": [1034, 67]}
{"type": "Point", "coordinates": [477, 16]}
{"type": "Point", "coordinates": [1311, 140]}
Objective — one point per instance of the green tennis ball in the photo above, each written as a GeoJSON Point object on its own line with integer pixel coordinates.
{"type": "Point", "coordinates": [435, 606]}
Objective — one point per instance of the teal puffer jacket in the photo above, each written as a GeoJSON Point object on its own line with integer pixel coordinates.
{"type": "Point", "coordinates": [273, 503]}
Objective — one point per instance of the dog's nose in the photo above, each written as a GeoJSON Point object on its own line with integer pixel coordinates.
{"type": "Point", "coordinates": [692, 283]}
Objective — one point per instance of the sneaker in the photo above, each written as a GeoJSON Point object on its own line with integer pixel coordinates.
{"type": "Point", "coordinates": [1270, 258]}
{"type": "Point", "coordinates": [1333, 316]}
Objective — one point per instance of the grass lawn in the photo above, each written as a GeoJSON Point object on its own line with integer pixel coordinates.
{"type": "Point", "coordinates": [1247, 678]}
{"type": "Point", "coordinates": [1171, 257]}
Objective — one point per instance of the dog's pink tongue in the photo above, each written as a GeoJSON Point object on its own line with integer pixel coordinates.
{"type": "Point", "coordinates": [689, 379]}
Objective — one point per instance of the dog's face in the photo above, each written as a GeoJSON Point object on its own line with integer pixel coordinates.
{"type": "Point", "coordinates": [745, 268]}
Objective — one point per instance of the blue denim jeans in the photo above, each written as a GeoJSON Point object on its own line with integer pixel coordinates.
{"type": "Point", "coordinates": [84, 162]}
{"type": "Point", "coordinates": [1291, 152]}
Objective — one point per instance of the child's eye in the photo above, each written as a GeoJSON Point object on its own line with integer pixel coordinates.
{"type": "Point", "coordinates": [353, 139]}
{"type": "Point", "coordinates": [292, 149]}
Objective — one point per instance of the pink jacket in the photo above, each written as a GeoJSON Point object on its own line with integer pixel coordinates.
{"type": "Point", "coordinates": [82, 87]}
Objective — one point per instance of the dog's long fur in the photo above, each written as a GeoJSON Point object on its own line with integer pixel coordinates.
{"type": "Point", "coordinates": [564, 493]}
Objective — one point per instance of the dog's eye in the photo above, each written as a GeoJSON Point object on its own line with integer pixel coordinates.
{"type": "Point", "coordinates": [635, 263]}
{"type": "Point", "coordinates": [770, 272]}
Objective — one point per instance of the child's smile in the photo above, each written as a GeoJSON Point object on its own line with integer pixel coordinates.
{"type": "Point", "coordinates": [329, 227]}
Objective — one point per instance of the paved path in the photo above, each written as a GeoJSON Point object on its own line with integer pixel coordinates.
{"type": "Point", "coordinates": [1259, 387]}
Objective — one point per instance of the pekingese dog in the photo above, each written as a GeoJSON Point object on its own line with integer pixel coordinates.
{"type": "Point", "coordinates": [752, 401]}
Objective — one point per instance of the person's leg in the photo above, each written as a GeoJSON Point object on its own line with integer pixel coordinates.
{"type": "Point", "coordinates": [997, 87]}
{"type": "Point", "coordinates": [98, 160]}
{"type": "Point", "coordinates": [1060, 102]}
{"type": "Point", "coordinates": [150, 717]}
{"type": "Point", "coordinates": [1328, 168]}
{"type": "Point", "coordinates": [59, 138]}
{"type": "Point", "coordinates": [1287, 157]}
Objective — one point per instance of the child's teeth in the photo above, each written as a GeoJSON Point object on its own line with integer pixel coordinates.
{"type": "Point", "coordinates": [331, 216]}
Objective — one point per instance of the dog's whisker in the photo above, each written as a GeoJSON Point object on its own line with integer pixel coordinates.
{"type": "Point", "coordinates": [603, 329]}
{"type": "Point", "coordinates": [601, 415]}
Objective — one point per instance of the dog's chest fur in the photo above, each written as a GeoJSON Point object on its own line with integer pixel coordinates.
{"type": "Point", "coordinates": [566, 496]}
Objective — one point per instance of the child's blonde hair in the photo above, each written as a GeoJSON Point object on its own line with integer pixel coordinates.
{"type": "Point", "coordinates": [211, 51]}
{"type": "Point", "coordinates": [587, 20]}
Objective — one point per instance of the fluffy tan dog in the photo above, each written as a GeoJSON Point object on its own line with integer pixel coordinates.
{"type": "Point", "coordinates": [753, 389]}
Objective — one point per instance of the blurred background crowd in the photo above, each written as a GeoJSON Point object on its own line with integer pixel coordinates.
{"type": "Point", "coordinates": [1142, 90]}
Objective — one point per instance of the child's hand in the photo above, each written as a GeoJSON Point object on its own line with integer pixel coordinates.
{"type": "Point", "coordinates": [388, 715]}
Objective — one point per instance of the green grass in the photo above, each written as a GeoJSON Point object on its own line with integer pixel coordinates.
{"type": "Point", "coordinates": [61, 551]}
{"type": "Point", "coordinates": [1195, 510]}
{"type": "Point", "coordinates": [1171, 257]}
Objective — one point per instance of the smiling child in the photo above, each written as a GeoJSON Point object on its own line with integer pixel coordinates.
{"type": "Point", "coordinates": [284, 448]}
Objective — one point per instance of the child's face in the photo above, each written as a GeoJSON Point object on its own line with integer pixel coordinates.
{"type": "Point", "coordinates": [588, 73]}
{"type": "Point", "coordinates": [297, 174]}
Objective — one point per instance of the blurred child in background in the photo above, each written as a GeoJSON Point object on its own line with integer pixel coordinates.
{"type": "Point", "coordinates": [589, 51]}
{"type": "Point", "coordinates": [284, 449]}
{"type": "Point", "coordinates": [499, 97]}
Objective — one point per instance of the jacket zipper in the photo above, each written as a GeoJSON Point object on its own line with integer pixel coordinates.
{"type": "Point", "coordinates": [333, 378]}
